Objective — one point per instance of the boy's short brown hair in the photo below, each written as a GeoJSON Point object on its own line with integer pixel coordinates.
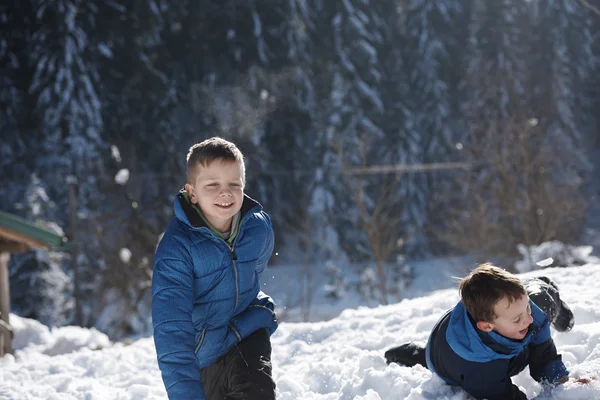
{"type": "Point", "coordinates": [209, 150]}
{"type": "Point", "coordinates": [485, 286]}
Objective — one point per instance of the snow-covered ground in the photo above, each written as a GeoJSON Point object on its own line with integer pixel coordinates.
{"type": "Point", "coordinates": [338, 359]}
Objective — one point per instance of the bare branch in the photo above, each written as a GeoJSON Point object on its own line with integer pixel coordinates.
{"type": "Point", "coordinates": [400, 168]}
{"type": "Point", "coordinates": [587, 4]}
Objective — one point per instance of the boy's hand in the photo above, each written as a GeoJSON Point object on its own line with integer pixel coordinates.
{"type": "Point", "coordinates": [565, 379]}
{"type": "Point", "coordinates": [584, 380]}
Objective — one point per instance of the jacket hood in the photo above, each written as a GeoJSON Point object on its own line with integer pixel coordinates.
{"type": "Point", "coordinates": [475, 345]}
{"type": "Point", "coordinates": [185, 213]}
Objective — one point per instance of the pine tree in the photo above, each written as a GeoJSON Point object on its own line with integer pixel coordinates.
{"type": "Point", "coordinates": [593, 80]}
{"type": "Point", "coordinates": [65, 85]}
{"type": "Point", "coordinates": [436, 32]}
{"type": "Point", "coordinates": [69, 143]}
{"type": "Point", "coordinates": [293, 126]}
{"type": "Point", "coordinates": [40, 289]}
{"type": "Point", "coordinates": [139, 94]}
{"type": "Point", "coordinates": [370, 124]}
{"type": "Point", "coordinates": [494, 86]}
{"type": "Point", "coordinates": [563, 60]}
{"type": "Point", "coordinates": [17, 125]}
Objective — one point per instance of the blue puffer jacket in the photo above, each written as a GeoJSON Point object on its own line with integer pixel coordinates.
{"type": "Point", "coordinates": [205, 295]}
{"type": "Point", "coordinates": [483, 362]}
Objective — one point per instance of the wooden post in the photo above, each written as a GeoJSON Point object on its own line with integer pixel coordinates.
{"type": "Point", "coordinates": [74, 253]}
{"type": "Point", "coordinates": [5, 332]}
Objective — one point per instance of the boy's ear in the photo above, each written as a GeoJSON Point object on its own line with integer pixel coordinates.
{"type": "Point", "coordinates": [190, 190]}
{"type": "Point", "coordinates": [485, 326]}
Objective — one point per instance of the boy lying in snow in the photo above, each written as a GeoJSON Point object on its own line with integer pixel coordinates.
{"type": "Point", "coordinates": [499, 327]}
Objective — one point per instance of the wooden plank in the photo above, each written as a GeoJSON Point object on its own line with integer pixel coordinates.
{"type": "Point", "coordinates": [31, 230]}
{"type": "Point", "coordinates": [17, 237]}
{"type": "Point", "coordinates": [13, 247]}
{"type": "Point", "coordinates": [5, 301]}
{"type": "Point", "coordinates": [6, 336]}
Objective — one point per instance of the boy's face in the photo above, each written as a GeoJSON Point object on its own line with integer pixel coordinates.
{"type": "Point", "coordinates": [512, 319]}
{"type": "Point", "coordinates": [219, 192]}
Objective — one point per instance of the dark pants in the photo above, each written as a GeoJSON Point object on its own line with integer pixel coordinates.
{"type": "Point", "coordinates": [244, 373]}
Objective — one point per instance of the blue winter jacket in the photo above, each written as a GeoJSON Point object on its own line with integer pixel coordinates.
{"type": "Point", "coordinates": [483, 362]}
{"type": "Point", "coordinates": [205, 294]}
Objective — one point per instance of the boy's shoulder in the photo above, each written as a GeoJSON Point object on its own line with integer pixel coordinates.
{"type": "Point", "coordinates": [253, 213]}
{"type": "Point", "coordinates": [472, 344]}
{"type": "Point", "coordinates": [456, 354]}
{"type": "Point", "coordinates": [175, 237]}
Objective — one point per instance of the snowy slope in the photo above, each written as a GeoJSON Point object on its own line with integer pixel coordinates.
{"type": "Point", "coordinates": [338, 359]}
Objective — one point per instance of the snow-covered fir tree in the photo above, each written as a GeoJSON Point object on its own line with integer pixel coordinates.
{"type": "Point", "coordinates": [436, 32]}
{"type": "Point", "coordinates": [370, 123]}
{"type": "Point", "coordinates": [64, 135]}
{"type": "Point", "coordinates": [17, 124]}
{"type": "Point", "coordinates": [65, 84]}
{"type": "Point", "coordinates": [139, 93]}
{"type": "Point", "coordinates": [40, 288]}
{"type": "Point", "coordinates": [563, 60]}
{"type": "Point", "coordinates": [291, 185]}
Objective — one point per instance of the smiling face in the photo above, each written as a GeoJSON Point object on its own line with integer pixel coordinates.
{"type": "Point", "coordinates": [219, 192]}
{"type": "Point", "coordinates": [512, 319]}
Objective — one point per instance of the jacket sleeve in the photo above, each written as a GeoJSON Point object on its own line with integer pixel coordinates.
{"type": "Point", "coordinates": [174, 333]}
{"type": "Point", "coordinates": [492, 383]}
{"type": "Point", "coordinates": [265, 255]}
{"type": "Point", "coordinates": [545, 364]}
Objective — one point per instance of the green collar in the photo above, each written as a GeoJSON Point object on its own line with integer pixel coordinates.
{"type": "Point", "coordinates": [235, 224]}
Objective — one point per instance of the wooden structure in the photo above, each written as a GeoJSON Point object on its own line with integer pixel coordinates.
{"type": "Point", "coordinates": [16, 236]}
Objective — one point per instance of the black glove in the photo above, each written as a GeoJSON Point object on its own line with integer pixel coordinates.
{"type": "Point", "coordinates": [409, 354]}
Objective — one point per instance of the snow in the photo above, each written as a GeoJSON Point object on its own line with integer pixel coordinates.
{"type": "Point", "coordinates": [115, 153]}
{"type": "Point", "coordinates": [337, 359]}
{"type": "Point", "coordinates": [372, 94]}
{"type": "Point", "coordinates": [125, 255]}
{"type": "Point", "coordinates": [122, 176]}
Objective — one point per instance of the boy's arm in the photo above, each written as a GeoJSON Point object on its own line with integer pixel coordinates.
{"type": "Point", "coordinates": [545, 364]}
{"type": "Point", "coordinates": [509, 392]}
{"type": "Point", "coordinates": [174, 333]}
{"type": "Point", "coordinates": [491, 383]}
{"type": "Point", "coordinates": [265, 255]}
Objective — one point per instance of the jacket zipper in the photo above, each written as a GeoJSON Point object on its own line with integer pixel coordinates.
{"type": "Point", "coordinates": [234, 259]}
{"type": "Point", "coordinates": [200, 341]}
{"type": "Point", "coordinates": [235, 269]}
{"type": "Point", "coordinates": [235, 275]}
{"type": "Point", "coordinates": [236, 332]}
{"type": "Point", "coordinates": [266, 308]}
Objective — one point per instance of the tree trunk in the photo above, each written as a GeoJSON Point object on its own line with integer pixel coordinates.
{"type": "Point", "coordinates": [382, 283]}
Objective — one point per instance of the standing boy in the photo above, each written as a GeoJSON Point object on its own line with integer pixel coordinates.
{"type": "Point", "coordinates": [212, 324]}
{"type": "Point", "coordinates": [492, 334]}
